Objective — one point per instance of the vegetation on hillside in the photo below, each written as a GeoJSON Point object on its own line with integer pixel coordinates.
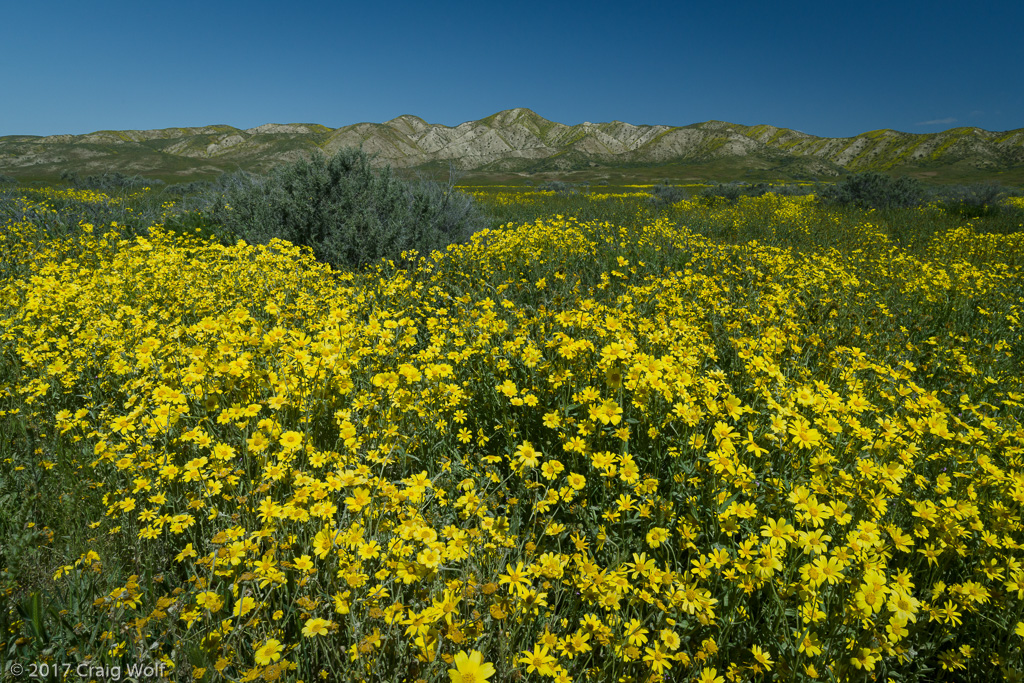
{"type": "Point", "coordinates": [620, 153]}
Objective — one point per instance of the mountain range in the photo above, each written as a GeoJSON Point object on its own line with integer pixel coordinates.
{"type": "Point", "coordinates": [518, 142]}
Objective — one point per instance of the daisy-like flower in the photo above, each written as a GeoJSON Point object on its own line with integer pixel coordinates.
{"type": "Point", "coordinates": [269, 652]}
{"type": "Point", "coordinates": [528, 455]}
{"type": "Point", "coordinates": [608, 412]}
{"type": "Point", "coordinates": [763, 657]}
{"type": "Point", "coordinates": [539, 660]}
{"type": "Point", "coordinates": [243, 606]}
{"type": "Point", "coordinates": [290, 441]}
{"type": "Point", "coordinates": [316, 627]}
{"type": "Point", "coordinates": [710, 675]}
{"type": "Point", "coordinates": [658, 659]}
{"type": "Point", "coordinates": [552, 420]}
{"type": "Point", "coordinates": [636, 633]}
{"type": "Point", "coordinates": [470, 668]}
{"type": "Point", "coordinates": [359, 499]}
{"type": "Point", "coordinates": [429, 557]}
{"type": "Point", "coordinates": [657, 536]}
{"type": "Point", "coordinates": [210, 601]}
{"type": "Point", "coordinates": [551, 469]}
{"type": "Point", "coordinates": [222, 451]}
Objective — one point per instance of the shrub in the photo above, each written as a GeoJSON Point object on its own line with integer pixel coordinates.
{"type": "Point", "coordinates": [558, 187]}
{"type": "Point", "coordinates": [7, 180]}
{"type": "Point", "coordinates": [108, 181]}
{"type": "Point", "coordinates": [663, 193]}
{"type": "Point", "coordinates": [729, 192]}
{"type": "Point", "coordinates": [761, 189]}
{"type": "Point", "coordinates": [975, 200]}
{"type": "Point", "coordinates": [795, 190]}
{"type": "Point", "coordinates": [347, 212]}
{"type": "Point", "coordinates": [190, 188]}
{"type": "Point", "coordinates": [873, 190]}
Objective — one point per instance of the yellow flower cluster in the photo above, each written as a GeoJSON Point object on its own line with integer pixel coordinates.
{"type": "Point", "coordinates": [968, 244]}
{"type": "Point", "coordinates": [591, 452]}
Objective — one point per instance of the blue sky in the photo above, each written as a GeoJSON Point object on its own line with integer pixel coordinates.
{"type": "Point", "coordinates": [826, 68]}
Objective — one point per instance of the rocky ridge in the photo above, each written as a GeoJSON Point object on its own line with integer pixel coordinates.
{"type": "Point", "coordinates": [514, 140]}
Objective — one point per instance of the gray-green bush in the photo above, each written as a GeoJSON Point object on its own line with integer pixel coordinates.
{"type": "Point", "coordinates": [664, 193]}
{"type": "Point", "coordinates": [718, 192]}
{"type": "Point", "coordinates": [974, 200]}
{"type": "Point", "coordinates": [873, 190]}
{"type": "Point", "coordinates": [108, 181]}
{"type": "Point", "coordinates": [349, 213]}
{"type": "Point", "coordinates": [734, 190]}
{"type": "Point", "coordinates": [558, 187]}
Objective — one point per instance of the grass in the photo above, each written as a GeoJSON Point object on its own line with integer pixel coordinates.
{"type": "Point", "coordinates": [602, 440]}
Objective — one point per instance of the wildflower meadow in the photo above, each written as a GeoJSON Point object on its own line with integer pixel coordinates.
{"type": "Point", "coordinates": [599, 440]}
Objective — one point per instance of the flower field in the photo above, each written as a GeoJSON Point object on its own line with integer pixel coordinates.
{"type": "Point", "coordinates": [754, 441]}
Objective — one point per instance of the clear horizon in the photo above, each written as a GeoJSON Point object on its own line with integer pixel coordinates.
{"type": "Point", "coordinates": [825, 70]}
{"type": "Point", "coordinates": [309, 123]}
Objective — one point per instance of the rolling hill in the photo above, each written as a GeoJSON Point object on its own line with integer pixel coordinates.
{"type": "Point", "coordinates": [518, 142]}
